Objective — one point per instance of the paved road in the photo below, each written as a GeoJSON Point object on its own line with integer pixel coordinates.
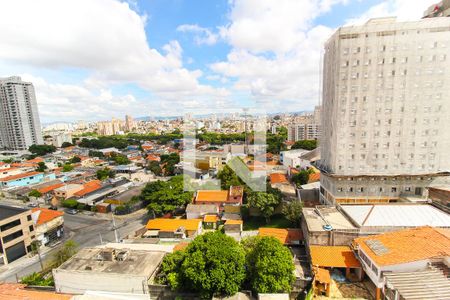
{"type": "Point", "coordinates": [85, 231]}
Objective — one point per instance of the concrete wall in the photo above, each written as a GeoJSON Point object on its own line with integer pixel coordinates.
{"type": "Point", "coordinates": [77, 282]}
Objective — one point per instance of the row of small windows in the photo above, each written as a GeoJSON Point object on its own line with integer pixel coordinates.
{"type": "Point", "coordinates": [393, 60]}
{"type": "Point", "coordinates": [414, 121]}
{"type": "Point", "coordinates": [431, 156]}
{"type": "Point", "coordinates": [393, 189]}
{"type": "Point", "coordinates": [384, 48]}
{"type": "Point", "coordinates": [388, 110]}
{"type": "Point", "coordinates": [388, 133]}
{"type": "Point", "coordinates": [386, 145]}
{"type": "Point", "coordinates": [423, 167]}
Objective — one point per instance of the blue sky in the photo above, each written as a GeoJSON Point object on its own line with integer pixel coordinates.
{"type": "Point", "coordinates": [98, 59]}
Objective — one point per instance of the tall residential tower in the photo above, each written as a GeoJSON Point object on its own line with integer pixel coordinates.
{"type": "Point", "coordinates": [386, 110]}
{"type": "Point", "coordinates": [19, 119]}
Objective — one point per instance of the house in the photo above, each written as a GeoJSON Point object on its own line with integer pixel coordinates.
{"type": "Point", "coordinates": [292, 158]}
{"type": "Point", "coordinates": [288, 236]}
{"type": "Point", "coordinates": [397, 252]}
{"type": "Point", "coordinates": [336, 257]}
{"type": "Point", "coordinates": [210, 221]}
{"type": "Point", "coordinates": [48, 224]}
{"type": "Point", "coordinates": [280, 181]}
{"type": "Point", "coordinates": [220, 198]}
{"type": "Point", "coordinates": [233, 226]}
{"type": "Point", "coordinates": [124, 197]}
{"type": "Point", "coordinates": [16, 233]}
{"type": "Point", "coordinates": [68, 190]}
{"type": "Point", "coordinates": [118, 270]}
{"type": "Point", "coordinates": [198, 211]}
{"type": "Point", "coordinates": [173, 228]}
{"type": "Point", "coordinates": [25, 179]}
{"type": "Point", "coordinates": [327, 226]}
{"type": "Point", "coordinates": [89, 188]}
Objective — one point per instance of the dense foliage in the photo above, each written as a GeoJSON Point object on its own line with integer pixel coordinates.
{"type": "Point", "coordinates": [300, 178]}
{"type": "Point", "coordinates": [165, 196]}
{"type": "Point", "coordinates": [37, 279]}
{"type": "Point", "coordinates": [67, 167]}
{"type": "Point", "coordinates": [66, 144]}
{"type": "Point", "coordinates": [212, 264]}
{"type": "Point", "coordinates": [64, 253]}
{"type": "Point", "coordinates": [305, 144]}
{"type": "Point", "coordinates": [275, 143]}
{"type": "Point", "coordinates": [70, 203]}
{"type": "Point", "coordinates": [168, 161]}
{"type": "Point", "coordinates": [293, 212]}
{"type": "Point", "coordinates": [221, 138]}
{"type": "Point", "coordinates": [228, 178]}
{"type": "Point", "coordinates": [106, 142]}
{"type": "Point", "coordinates": [75, 159]}
{"type": "Point", "coordinates": [265, 202]}
{"type": "Point", "coordinates": [104, 173]}
{"type": "Point", "coordinates": [119, 159]}
{"type": "Point", "coordinates": [269, 265]}
{"type": "Point", "coordinates": [41, 149]}
{"type": "Point", "coordinates": [35, 193]}
{"type": "Point", "coordinates": [41, 167]}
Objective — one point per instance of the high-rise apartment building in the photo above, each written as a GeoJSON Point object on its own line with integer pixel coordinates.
{"type": "Point", "coordinates": [386, 110]}
{"type": "Point", "coordinates": [19, 119]}
{"type": "Point", "coordinates": [306, 127]}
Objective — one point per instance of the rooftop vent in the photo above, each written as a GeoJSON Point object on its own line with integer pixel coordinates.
{"type": "Point", "coordinates": [377, 247]}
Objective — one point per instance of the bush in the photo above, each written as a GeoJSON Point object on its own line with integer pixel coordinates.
{"type": "Point", "coordinates": [37, 279]}
{"type": "Point", "coordinates": [70, 203]}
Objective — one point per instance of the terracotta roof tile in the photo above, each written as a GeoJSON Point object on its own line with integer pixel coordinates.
{"type": "Point", "coordinates": [407, 245]}
{"type": "Point", "coordinates": [17, 176]}
{"type": "Point", "coordinates": [314, 177]}
{"type": "Point", "coordinates": [210, 218]}
{"type": "Point", "coordinates": [285, 236]}
{"type": "Point", "coordinates": [50, 188]}
{"type": "Point", "coordinates": [212, 196]}
{"type": "Point", "coordinates": [89, 187]}
{"type": "Point", "coordinates": [234, 222]}
{"type": "Point", "coordinates": [333, 256]}
{"type": "Point", "coordinates": [15, 291]}
{"type": "Point", "coordinates": [46, 215]}
{"type": "Point", "coordinates": [278, 178]}
{"type": "Point", "coordinates": [173, 224]}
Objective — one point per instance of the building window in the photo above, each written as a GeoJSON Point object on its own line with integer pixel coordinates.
{"type": "Point", "coordinates": [31, 228]}
{"type": "Point", "coordinates": [29, 217]}
{"type": "Point", "coordinates": [12, 236]}
{"type": "Point", "coordinates": [393, 189]}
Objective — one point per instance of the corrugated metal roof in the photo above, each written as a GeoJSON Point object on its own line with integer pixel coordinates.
{"type": "Point", "coordinates": [397, 215]}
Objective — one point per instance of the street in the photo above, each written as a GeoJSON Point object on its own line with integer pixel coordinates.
{"type": "Point", "coordinates": [86, 231]}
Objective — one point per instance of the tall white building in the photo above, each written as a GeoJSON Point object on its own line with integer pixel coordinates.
{"type": "Point", "coordinates": [19, 118]}
{"type": "Point", "coordinates": [386, 110]}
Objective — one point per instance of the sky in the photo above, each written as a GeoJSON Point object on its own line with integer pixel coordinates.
{"type": "Point", "coordinates": [98, 59]}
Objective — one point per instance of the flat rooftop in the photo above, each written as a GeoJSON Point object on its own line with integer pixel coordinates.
{"type": "Point", "coordinates": [138, 262]}
{"type": "Point", "coordinates": [9, 211]}
{"type": "Point", "coordinates": [397, 215]}
{"type": "Point", "coordinates": [333, 216]}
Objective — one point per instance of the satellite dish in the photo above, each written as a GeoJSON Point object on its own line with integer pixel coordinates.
{"type": "Point", "coordinates": [327, 227]}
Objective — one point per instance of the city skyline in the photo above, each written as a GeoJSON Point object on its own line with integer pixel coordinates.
{"type": "Point", "coordinates": [144, 59]}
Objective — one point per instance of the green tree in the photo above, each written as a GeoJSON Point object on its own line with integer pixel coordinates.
{"type": "Point", "coordinates": [41, 149]}
{"type": "Point", "coordinates": [35, 193]}
{"type": "Point", "coordinates": [165, 196]}
{"type": "Point", "coordinates": [37, 279]}
{"type": "Point", "coordinates": [66, 144]}
{"type": "Point", "coordinates": [228, 178]}
{"type": "Point", "coordinates": [75, 159]}
{"type": "Point", "coordinates": [93, 153]}
{"type": "Point", "coordinates": [64, 253]}
{"type": "Point", "coordinates": [305, 144]}
{"type": "Point", "coordinates": [120, 159]}
{"type": "Point", "coordinates": [293, 212]}
{"type": "Point", "coordinates": [265, 202]}
{"type": "Point", "coordinates": [269, 265]}
{"type": "Point", "coordinates": [67, 167]}
{"type": "Point", "coordinates": [300, 178]}
{"type": "Point", "coordinates": [155, 168]}
{"type": "Point", "coordinates": [105, 173]}
{"type": "Point", "coordinates": [212, 264]}
{"type": "Point", "coordinates": [41, 167]}
{"type": "Point", "coordinates": [69, 203]}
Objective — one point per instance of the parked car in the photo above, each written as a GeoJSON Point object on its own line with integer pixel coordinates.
{"type": "Point", "coordinates": [72, 211]}
{"type": "Point", "coordinates": [32, 204]}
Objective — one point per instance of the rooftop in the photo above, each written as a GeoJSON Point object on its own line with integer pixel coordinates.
{"type": "Point", "coordinates": [405, 246]}
{"type": "Point", "coordinates": [210, 218]}
{"type": "Point", "coordinates": [212, 196]}
{"type": "Point", "coordinates": [16, 291]}
{"type": "Point", "coordinates": [278, 178]}
{"type": "Point", "coordinates": [19, 176]}
{"type": "Point", "coordinates": [9, 211]}
{"type": "Point", "coordinates": [46, 215]}
{"type": "Point", "coordinates": [173, 224]}
{"type": "Point", "coordinates": [89, 187]}
{"type": "Point", "coordinates": [397, 215]}
{"type": "Point", "coordinates": [333, 257]}
{"type": "Point", "coordinates": [201, 208]}
{"type": "Point", "coordinates": [91, 260]}
{"type": "Point", "coordinates": [285, 236]}
{"type": "Point", "coordinates": [328, 216]}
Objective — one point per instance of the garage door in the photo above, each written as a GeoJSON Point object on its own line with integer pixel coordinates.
{"type": "Point", "coordinates": [15, 252]}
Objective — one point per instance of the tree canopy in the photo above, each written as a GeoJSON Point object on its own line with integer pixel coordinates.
{"type": "Point", "coordinates": [228, 178]}
{"type": "Point", "coordinates": [212, 264]}
{"type": "Point", "coordinates": [293, 212]}
{"type": "Point", "coordinates": [265, 202]}
{"type": "Point", "coordinates": [104, 173]}
{"type": "Point", "coordinates": [305, 144]}
{"type": "Point", "coordinates": [67, 167]}
{"type": "Point", "coordinates": [165, 196]}
{"type": "Point", "coordinates": [301, 178]}
{"type": "Point", "coordinates": [41, 149]}
{"type": "Point", "coordinates": [41, 167]}
{"type": "Point", "coordinates": [269, 265]}
{"type": "Point", "coordinates": [66, 144]}
{"type": "Point", "coordinates": [35, 193]}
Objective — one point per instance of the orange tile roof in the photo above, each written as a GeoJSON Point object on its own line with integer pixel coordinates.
{"type": "Point", "coordinates": [408, 245]}
{"type": "Point", "coordinates": [173, 224]}
{"type": "Point", "coordinates": [89, 187]}
{"type": "Point", "coordinates": [16, 291]}
{"type": "Point", "coordinates": [322, 275]}
{"type": "Point", "coordinates": [285, 236]}
{"type": "Point", "coordinates": [278, 178]}
{"type": "Point", "coordinates": [46, 215]}
{"type": "Point", "coordinates": [333, 257]}
{"type": "Point", "coordinates": [35, 160]}
{"type": "Point", "coordinates": [17, 176]}
{"type": "Point", "coordinates": [234, 222]}
{"type": "Point", "coordinates": [210, 218]}
{"type": "Point", "coordinates": [212, 196]}
{"type": "Point", "coordinates": [50, 188]}
{"type": "Point", "coordinates": [314, 177]}
{"type": "Point", "coordinates": [153, 157]}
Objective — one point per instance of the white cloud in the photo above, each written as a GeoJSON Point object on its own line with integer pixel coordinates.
{"type": "Point", "coordinates": [404, 10]}
{"type": "Point", "coordinates": [202, 35]}
{"type": "Point", "coordinates": [106, 38]}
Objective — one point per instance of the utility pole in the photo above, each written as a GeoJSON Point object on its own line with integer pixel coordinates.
{"type": "Point", "coordinates": [115, 228]}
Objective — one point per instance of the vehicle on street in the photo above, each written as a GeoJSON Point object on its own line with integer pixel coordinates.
{"type": "Point", "coordinates": [72, 211]}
